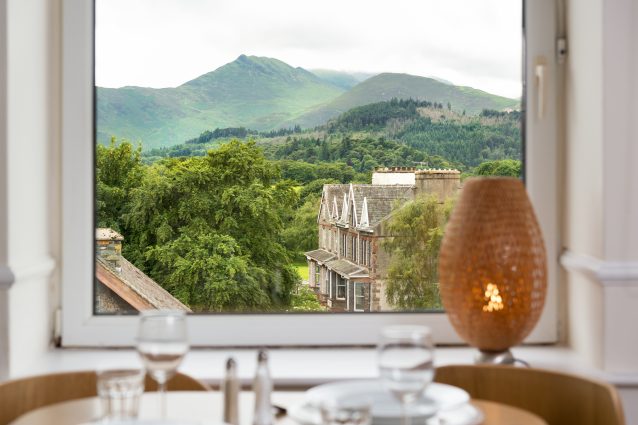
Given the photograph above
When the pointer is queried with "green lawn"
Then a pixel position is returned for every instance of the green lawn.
(302, 268)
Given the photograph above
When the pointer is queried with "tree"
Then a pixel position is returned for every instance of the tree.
(504, 167)
(208, 228)
(304, 299)
(118, 171)
(417, 230)
(301, 234)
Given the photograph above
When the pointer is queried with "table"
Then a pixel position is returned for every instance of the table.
(207, 407)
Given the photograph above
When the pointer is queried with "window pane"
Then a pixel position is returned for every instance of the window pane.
(275, 157)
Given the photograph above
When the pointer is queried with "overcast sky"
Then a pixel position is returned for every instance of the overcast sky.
(164, 43)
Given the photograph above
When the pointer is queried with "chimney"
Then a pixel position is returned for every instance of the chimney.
(393, 175)
(108, 245)
(443, 183)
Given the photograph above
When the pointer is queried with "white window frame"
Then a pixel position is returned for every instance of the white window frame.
(363, 297)
(344, 285)
(81, 328)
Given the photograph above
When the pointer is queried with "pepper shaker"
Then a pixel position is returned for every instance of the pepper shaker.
(230, 387)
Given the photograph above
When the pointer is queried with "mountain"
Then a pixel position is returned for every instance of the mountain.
(345, 80)
(254, 92)
(387, 86)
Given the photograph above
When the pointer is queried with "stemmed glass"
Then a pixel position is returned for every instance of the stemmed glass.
(405, 356)
(162, 343)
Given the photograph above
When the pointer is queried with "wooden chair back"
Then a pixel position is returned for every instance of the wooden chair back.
(558, 398)
(22, 395)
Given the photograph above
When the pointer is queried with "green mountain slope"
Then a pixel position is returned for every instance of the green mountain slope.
(387, 86)
(345, 80)
(253, 92)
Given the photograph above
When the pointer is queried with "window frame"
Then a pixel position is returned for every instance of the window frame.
(362, 296)
(80, 327)
(341, 284)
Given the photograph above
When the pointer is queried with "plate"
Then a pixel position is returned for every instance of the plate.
(386, 409)
(460, 415)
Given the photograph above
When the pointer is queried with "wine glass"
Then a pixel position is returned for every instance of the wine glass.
(405, 356)
(162, 343)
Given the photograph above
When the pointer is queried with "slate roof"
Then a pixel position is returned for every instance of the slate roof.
(330, 193)
(134, 287)
(380, 199)
(347, 268)
(320, 255)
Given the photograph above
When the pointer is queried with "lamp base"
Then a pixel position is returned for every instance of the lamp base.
(494, 357)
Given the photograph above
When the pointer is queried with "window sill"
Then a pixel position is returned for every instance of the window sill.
(305, 367)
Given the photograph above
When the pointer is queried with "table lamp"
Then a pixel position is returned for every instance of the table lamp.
(492, 267)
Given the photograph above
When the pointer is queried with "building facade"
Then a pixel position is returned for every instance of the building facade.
(349, 268)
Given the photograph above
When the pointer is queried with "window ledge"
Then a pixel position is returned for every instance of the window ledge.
(304, 367)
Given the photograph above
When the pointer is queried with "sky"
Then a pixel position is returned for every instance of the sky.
(164, 43)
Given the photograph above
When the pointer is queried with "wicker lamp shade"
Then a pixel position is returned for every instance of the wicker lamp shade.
(492, 265)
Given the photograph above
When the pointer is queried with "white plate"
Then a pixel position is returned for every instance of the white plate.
(386, 409)
(460, 415)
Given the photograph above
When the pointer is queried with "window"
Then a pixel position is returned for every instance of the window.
(359, 296)
(341, 288)
(354, 249)
(81, 325)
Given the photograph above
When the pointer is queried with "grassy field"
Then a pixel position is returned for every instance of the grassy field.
(302, 268)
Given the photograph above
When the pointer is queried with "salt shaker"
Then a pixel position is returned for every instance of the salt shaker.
(262, 387)
(230, 387)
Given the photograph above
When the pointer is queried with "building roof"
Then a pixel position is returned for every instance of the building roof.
(134, 287)
(107, 234)
(320, 255)
(347, 268)
(332, 193)
(380, 199)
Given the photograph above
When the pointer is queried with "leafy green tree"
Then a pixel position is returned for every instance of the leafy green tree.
(118, 171)
(305, 300)
(504, 167)
(301, 234)
(314, 188)
(417, 229)
(189, 214)
(208, 272)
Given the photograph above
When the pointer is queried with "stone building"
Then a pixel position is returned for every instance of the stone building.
(349, 269)
(122, 288)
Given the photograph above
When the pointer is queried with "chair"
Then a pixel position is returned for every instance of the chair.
(558, 398)
(22, 395)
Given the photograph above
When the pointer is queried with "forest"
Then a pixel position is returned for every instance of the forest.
(221, 221)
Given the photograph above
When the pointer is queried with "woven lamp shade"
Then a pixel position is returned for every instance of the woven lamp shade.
(492, 265)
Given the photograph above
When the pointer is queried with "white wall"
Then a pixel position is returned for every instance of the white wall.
(31, 212)
(601, 220)
(602, 181)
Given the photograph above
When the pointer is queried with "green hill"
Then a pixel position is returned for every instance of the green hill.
(387, 86)
(253, 92)
(345, 80)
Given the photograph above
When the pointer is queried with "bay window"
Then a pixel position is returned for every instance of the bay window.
(82, 327)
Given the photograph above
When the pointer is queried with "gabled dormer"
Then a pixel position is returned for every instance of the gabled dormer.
(335, 209)
(352, 208)
(365, 221)
(344, 209)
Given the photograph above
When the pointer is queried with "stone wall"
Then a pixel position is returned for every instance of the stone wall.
(443, 183)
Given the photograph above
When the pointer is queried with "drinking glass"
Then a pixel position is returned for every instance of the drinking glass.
(405, 357)
(162, 343)
(119, 391)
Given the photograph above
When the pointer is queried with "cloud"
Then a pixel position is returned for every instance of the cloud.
(163, 43)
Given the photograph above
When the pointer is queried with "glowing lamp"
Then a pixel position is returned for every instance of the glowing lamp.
(492, 267)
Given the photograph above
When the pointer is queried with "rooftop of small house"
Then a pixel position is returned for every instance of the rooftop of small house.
(134, 287)
(107, 234)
